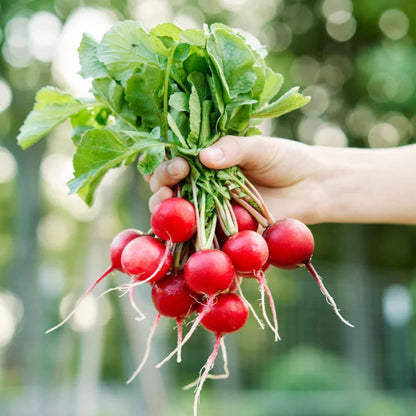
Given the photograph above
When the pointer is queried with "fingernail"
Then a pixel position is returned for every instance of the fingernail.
(172, 169)
(214, 154)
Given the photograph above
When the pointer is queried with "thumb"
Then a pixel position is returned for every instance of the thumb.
(248, 152)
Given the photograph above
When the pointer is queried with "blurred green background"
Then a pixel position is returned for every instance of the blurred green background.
(357, 60)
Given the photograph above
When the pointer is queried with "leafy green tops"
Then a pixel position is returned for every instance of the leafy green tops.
(157, 95)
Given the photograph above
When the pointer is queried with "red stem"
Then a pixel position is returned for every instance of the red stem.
(259, 217)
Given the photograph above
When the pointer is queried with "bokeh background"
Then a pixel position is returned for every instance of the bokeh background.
(357, 60)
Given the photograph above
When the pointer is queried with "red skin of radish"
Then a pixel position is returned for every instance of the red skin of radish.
(247, 250)
(208, 272)
(290, 243)
(172, 297)
(118, 243)
(235, 284)
(142, 256)
(174, 219)
(245, 221)
(228, 314)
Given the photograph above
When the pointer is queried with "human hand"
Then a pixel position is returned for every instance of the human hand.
(286, 173)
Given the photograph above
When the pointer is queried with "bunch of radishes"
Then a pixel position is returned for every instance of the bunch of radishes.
(187, 279)
(169, 93)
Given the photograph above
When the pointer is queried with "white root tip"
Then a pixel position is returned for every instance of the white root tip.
(208, 366)
(225, 375)
(264, 289)
(87, 292)
(330, 300)
(147, 352)
(134, 305)
(179, 328)
(250, 306)
(195, 324)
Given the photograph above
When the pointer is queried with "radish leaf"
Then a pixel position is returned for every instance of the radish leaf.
(127, 45)
(112, 94)
(144, 92)
(52, 107)
(90, 65)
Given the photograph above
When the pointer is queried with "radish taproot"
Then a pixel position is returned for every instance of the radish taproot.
(291, 245)
(228, 314)
(207, 273)
(172, 298)
(117, 246)
(249, 254)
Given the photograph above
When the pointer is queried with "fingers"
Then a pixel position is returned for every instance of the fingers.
(250, 153)
(169, 174)
(163, 193)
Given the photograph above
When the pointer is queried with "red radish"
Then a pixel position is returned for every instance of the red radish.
(117, 246)
(172, 297)
(245, 221)
(174, 219)
(249, 253)
(146, 259)
(290, 242)
(247, 250)
(118, 243)
(228, 314)
(208, 272)
(291, 245)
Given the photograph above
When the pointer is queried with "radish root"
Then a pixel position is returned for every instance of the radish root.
(179, 330)
(264, 289)
(208, 366)
(88, 291)
(226, 373)
(250, 306)
(195, 324)
(325, 292)
(146, 354)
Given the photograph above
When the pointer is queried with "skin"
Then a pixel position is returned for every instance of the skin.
(314, 184)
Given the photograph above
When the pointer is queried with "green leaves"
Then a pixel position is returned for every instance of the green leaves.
(102, 149)
(52, 107)
(90, 65)
(127, 45)
(144, 92)
(233, 61)
(112, 94)
(287, 102)
(169, 88)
